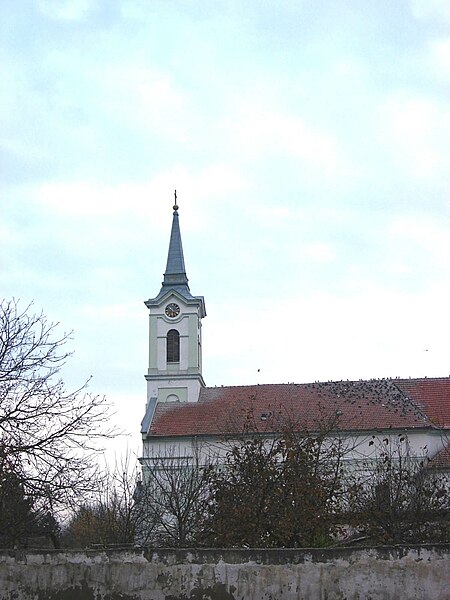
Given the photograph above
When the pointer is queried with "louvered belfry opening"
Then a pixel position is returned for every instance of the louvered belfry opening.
(173, 346)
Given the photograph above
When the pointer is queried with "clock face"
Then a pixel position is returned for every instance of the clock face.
(172, 310)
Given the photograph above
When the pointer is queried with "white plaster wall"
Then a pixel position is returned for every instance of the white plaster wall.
(214, 448)
(174, 375)
(192, 387)
(203, 451)
(420, 444)
(161, 324)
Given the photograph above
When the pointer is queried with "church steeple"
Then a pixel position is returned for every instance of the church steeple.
(175, 350)
(175, 274)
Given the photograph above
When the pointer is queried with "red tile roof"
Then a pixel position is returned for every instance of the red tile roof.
(441, 460)
(356, 405)
(431, 394)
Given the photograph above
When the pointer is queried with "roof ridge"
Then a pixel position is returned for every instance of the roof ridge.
(442, 378)
(334, 381)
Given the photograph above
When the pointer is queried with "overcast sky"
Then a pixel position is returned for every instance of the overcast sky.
(309, 143)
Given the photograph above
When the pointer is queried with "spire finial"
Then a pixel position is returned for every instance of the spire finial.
(175, 206)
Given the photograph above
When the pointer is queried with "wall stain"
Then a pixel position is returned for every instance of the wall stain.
(416, 573)
(216, 592)
(82, 592)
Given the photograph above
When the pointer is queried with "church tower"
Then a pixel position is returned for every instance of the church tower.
(175, 347)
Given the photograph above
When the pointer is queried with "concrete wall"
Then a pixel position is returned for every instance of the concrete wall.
(387, 573)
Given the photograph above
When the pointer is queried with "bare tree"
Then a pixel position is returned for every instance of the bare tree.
(397, 499)
(47, 432)
(166, 509)
(114, 514)
(174, 497)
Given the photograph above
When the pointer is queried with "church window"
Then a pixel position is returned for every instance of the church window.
(173, 346)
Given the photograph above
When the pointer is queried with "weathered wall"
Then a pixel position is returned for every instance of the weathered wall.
(387, 573)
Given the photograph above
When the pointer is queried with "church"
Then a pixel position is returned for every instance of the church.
(182, 414)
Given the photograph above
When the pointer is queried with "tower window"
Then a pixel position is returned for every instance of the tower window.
(173, 346)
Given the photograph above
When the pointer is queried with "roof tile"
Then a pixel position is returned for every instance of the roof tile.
(433, 395)
(441, 460)
(348, 405)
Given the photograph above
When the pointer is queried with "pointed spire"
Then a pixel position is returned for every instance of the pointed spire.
(175, 274)
(175, 278)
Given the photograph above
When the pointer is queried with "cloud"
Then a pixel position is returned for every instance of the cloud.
(415, 131)
(439, 59)
(151, 198)
(319, 252)
(374, 333)
(424, 235)
(66, 10)
(431, 10)
(259, 133)
(146, 97)
(108, 312)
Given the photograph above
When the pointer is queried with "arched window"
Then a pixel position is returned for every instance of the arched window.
(173, 346)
